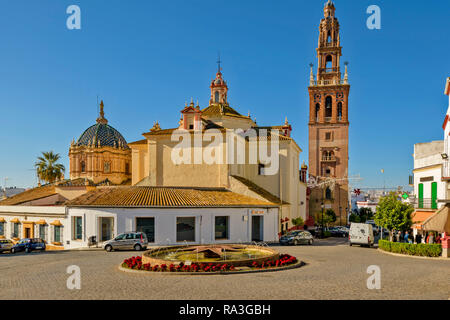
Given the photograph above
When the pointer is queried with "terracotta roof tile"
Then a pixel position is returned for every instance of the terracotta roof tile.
(165, 197)
(29, 195)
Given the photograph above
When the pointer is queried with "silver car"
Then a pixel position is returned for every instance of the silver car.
(127, 241)
(297, 237)
(5, 245)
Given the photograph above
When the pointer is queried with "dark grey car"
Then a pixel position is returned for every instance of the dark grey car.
(127, 241)
(297, 237)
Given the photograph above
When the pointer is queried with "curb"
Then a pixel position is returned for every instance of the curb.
(86, 249)
(294, 266)
(409, 256)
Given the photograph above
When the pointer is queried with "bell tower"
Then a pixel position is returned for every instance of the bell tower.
(328, 122)
(219, 88)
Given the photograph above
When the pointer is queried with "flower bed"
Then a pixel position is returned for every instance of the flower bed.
(135, 263)
(421, 249)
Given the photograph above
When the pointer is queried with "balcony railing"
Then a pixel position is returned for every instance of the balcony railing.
(425, 203)
(328, 82)
(329, 159)
(328, 70)
(330, 44)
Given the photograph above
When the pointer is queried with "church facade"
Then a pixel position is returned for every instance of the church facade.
(329, 123)
(153, 163)
(117, 186)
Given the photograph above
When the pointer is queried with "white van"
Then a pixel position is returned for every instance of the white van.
(361, 233)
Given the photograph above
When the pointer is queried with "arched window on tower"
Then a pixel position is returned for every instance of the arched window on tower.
(329, 35)
(328, 107)
(83, 166)
(317, 111)
(329, 63)
(328, 156)
(216, 97)
(339, 111)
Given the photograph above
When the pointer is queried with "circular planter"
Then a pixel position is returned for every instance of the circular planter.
(298, 264)
(149, 256)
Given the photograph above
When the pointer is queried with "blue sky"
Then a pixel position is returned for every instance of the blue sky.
(146, 58)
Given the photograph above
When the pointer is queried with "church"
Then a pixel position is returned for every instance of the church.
(248, 186)
(116, 186)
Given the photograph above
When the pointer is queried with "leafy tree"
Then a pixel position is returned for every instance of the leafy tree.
(328, 217)
(47, 167)
(354, 218)
(298, 222)
(332, 216)
(393, 214)
(365, 214)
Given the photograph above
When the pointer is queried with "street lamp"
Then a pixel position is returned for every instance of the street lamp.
(322, 206)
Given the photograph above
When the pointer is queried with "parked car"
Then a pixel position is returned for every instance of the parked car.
(5, 245)
(127, 241)
(345, 229)
(297, 237)
(362, 234)
(28, 245)
(338, 232)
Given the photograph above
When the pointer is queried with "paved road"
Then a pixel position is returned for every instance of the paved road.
(333, 271)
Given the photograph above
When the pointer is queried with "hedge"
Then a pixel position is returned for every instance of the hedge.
(421, 249)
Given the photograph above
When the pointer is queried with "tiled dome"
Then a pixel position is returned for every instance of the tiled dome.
(101, 134)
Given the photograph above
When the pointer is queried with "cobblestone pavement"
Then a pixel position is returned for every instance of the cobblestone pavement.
(334, 270)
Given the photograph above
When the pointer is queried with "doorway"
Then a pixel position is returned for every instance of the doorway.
(28, 229)
(147, 226)
(106, 228)
(257, 228)
(27, 233)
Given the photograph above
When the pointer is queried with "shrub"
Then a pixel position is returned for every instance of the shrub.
(421, 249)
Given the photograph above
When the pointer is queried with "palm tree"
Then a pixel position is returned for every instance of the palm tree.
(48, 169)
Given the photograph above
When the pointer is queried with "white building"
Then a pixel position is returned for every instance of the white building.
(431, 173)
(446, 153)
(428, 184)
(367, 204)
(167, 215)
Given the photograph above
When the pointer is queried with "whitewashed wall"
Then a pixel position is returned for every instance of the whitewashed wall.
(165, 223)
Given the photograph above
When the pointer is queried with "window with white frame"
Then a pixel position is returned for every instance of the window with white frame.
(43, 231)
(77, 228)
(57, 234)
